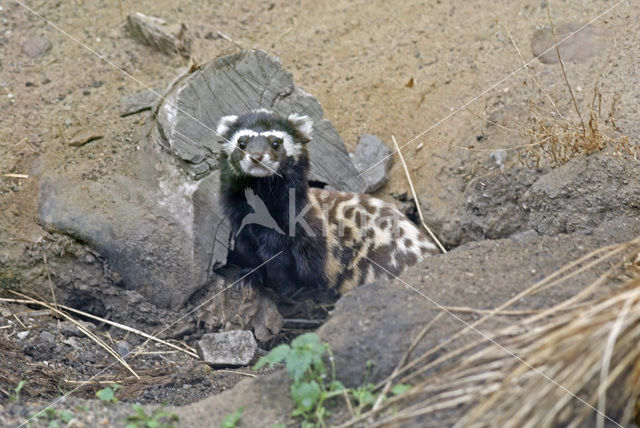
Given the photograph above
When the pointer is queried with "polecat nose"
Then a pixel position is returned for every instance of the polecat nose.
(257, 148)
(256, 157)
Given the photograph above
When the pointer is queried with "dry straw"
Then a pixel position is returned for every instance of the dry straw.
(578, 362)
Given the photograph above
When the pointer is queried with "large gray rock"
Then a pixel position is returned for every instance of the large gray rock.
(157, 228)
(234, 84)
(372, 159)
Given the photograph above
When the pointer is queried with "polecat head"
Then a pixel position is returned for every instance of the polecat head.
(259, 143)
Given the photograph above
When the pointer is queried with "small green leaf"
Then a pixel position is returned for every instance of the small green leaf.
(106, 395)
(364, 394)
(275, 356)
(336, 386)
(66, 416)
(306, 394)
(400, 388)
(298, 362)
(306, 340)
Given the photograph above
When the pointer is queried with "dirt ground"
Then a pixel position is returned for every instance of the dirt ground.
(386, 68)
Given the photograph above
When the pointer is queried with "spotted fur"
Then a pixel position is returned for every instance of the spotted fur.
(333, 239)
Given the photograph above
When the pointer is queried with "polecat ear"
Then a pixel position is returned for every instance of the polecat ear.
(226, 122)
(302, 124)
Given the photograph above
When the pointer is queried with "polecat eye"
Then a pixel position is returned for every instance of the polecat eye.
(275, 143)
(242, 143)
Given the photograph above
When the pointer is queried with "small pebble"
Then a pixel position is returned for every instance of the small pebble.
(23, 334)
(47, 337)
(123, 348)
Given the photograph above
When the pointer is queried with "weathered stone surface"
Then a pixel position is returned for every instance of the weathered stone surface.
(576, 196)
(36, 46)
(132, 104)
(267, 402)
(229, 348)
(123, 348)
(170, 39)
(373, 156)
(234, 84)
(47, 337)
(582, 45)
(158, 229)
(583, 193)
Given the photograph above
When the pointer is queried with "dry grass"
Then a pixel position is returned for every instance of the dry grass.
(570, 364)
(555, 140)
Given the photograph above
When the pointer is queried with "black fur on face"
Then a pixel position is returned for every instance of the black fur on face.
(259, 143)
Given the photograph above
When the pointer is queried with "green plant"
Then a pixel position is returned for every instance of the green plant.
(16, 392)
(232, 419)
(108, 395)
(312, 384)
(56, 416)
(157, 418)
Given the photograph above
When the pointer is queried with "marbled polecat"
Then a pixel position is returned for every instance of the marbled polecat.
(322, 237)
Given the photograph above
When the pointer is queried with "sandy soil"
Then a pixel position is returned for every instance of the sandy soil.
(387, 68)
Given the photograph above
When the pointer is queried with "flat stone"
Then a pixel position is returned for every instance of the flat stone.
(579, 47)
(36, 46)
(47, 337)
(123, 348)
(170, 39)
(132, 104)
(23, 334)
(230, 348)
(67, 328)
(372, 157)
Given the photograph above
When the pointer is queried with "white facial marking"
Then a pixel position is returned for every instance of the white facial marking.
(302, 123)
(226, 122)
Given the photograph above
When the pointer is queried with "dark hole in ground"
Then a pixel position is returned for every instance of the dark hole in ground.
(86, 302)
